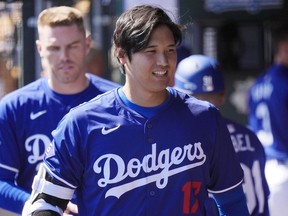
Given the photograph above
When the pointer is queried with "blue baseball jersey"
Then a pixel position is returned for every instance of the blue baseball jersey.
(268, 116)
(122, 163)
(252, 159)
(27, 118)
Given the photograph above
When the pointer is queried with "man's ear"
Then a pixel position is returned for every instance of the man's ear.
(222, 97)
(39, 47)
(121, 56)
(88, 42)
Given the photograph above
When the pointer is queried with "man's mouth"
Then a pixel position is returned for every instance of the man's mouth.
(160, 73)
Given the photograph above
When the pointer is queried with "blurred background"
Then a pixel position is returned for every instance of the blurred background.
(236, 32)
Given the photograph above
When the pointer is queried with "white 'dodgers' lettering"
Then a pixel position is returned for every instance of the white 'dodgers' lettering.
(151, 162)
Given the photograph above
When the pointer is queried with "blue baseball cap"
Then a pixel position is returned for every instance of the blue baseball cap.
(199, 74)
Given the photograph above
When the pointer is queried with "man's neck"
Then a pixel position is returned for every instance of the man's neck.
(69, 87)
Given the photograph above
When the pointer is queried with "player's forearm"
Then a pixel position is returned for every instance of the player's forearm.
(232, 202)
(71, 209)
(47, 197)
(12, 197)
(45, 205)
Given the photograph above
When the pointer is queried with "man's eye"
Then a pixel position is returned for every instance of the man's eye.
(73, 46)
(150, 51)
(52, 48)
(172, 50)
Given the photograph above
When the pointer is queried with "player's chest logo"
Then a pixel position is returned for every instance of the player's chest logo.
(35, 145)
(35, 115)
(162, 164)
(106, 131)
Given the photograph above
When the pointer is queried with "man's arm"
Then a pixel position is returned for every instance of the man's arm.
(46, 205)
(47, 197)
(12, 197)
(232, 202)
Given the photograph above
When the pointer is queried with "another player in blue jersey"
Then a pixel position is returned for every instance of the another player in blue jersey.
(144, 149)
(268, 117)
(29, 114)
(201, 76)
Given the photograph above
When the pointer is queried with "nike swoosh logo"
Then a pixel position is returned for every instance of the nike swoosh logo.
(33, 116)
(107, 131)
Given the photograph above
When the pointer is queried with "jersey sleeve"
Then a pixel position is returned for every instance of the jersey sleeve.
(63, 157)
(226, 172)
(8, 144)
(12, 197)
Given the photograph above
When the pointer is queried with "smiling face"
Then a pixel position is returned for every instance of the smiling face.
(152, 69)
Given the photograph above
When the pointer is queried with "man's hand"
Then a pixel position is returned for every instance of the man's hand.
(71, 209)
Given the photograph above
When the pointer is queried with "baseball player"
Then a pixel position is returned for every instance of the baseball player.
(29, 114)
(268, 117)
(144, 149)
(201, 76)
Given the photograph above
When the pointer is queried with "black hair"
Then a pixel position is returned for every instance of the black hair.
(135, 26)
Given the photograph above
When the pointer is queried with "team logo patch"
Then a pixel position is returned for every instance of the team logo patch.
(208, 84)
(50, 151)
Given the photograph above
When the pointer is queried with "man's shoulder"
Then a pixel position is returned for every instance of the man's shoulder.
(22, 99)
(197, 108)
(97, 102)
(29, 91)
(101, 83)
(184, 98)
